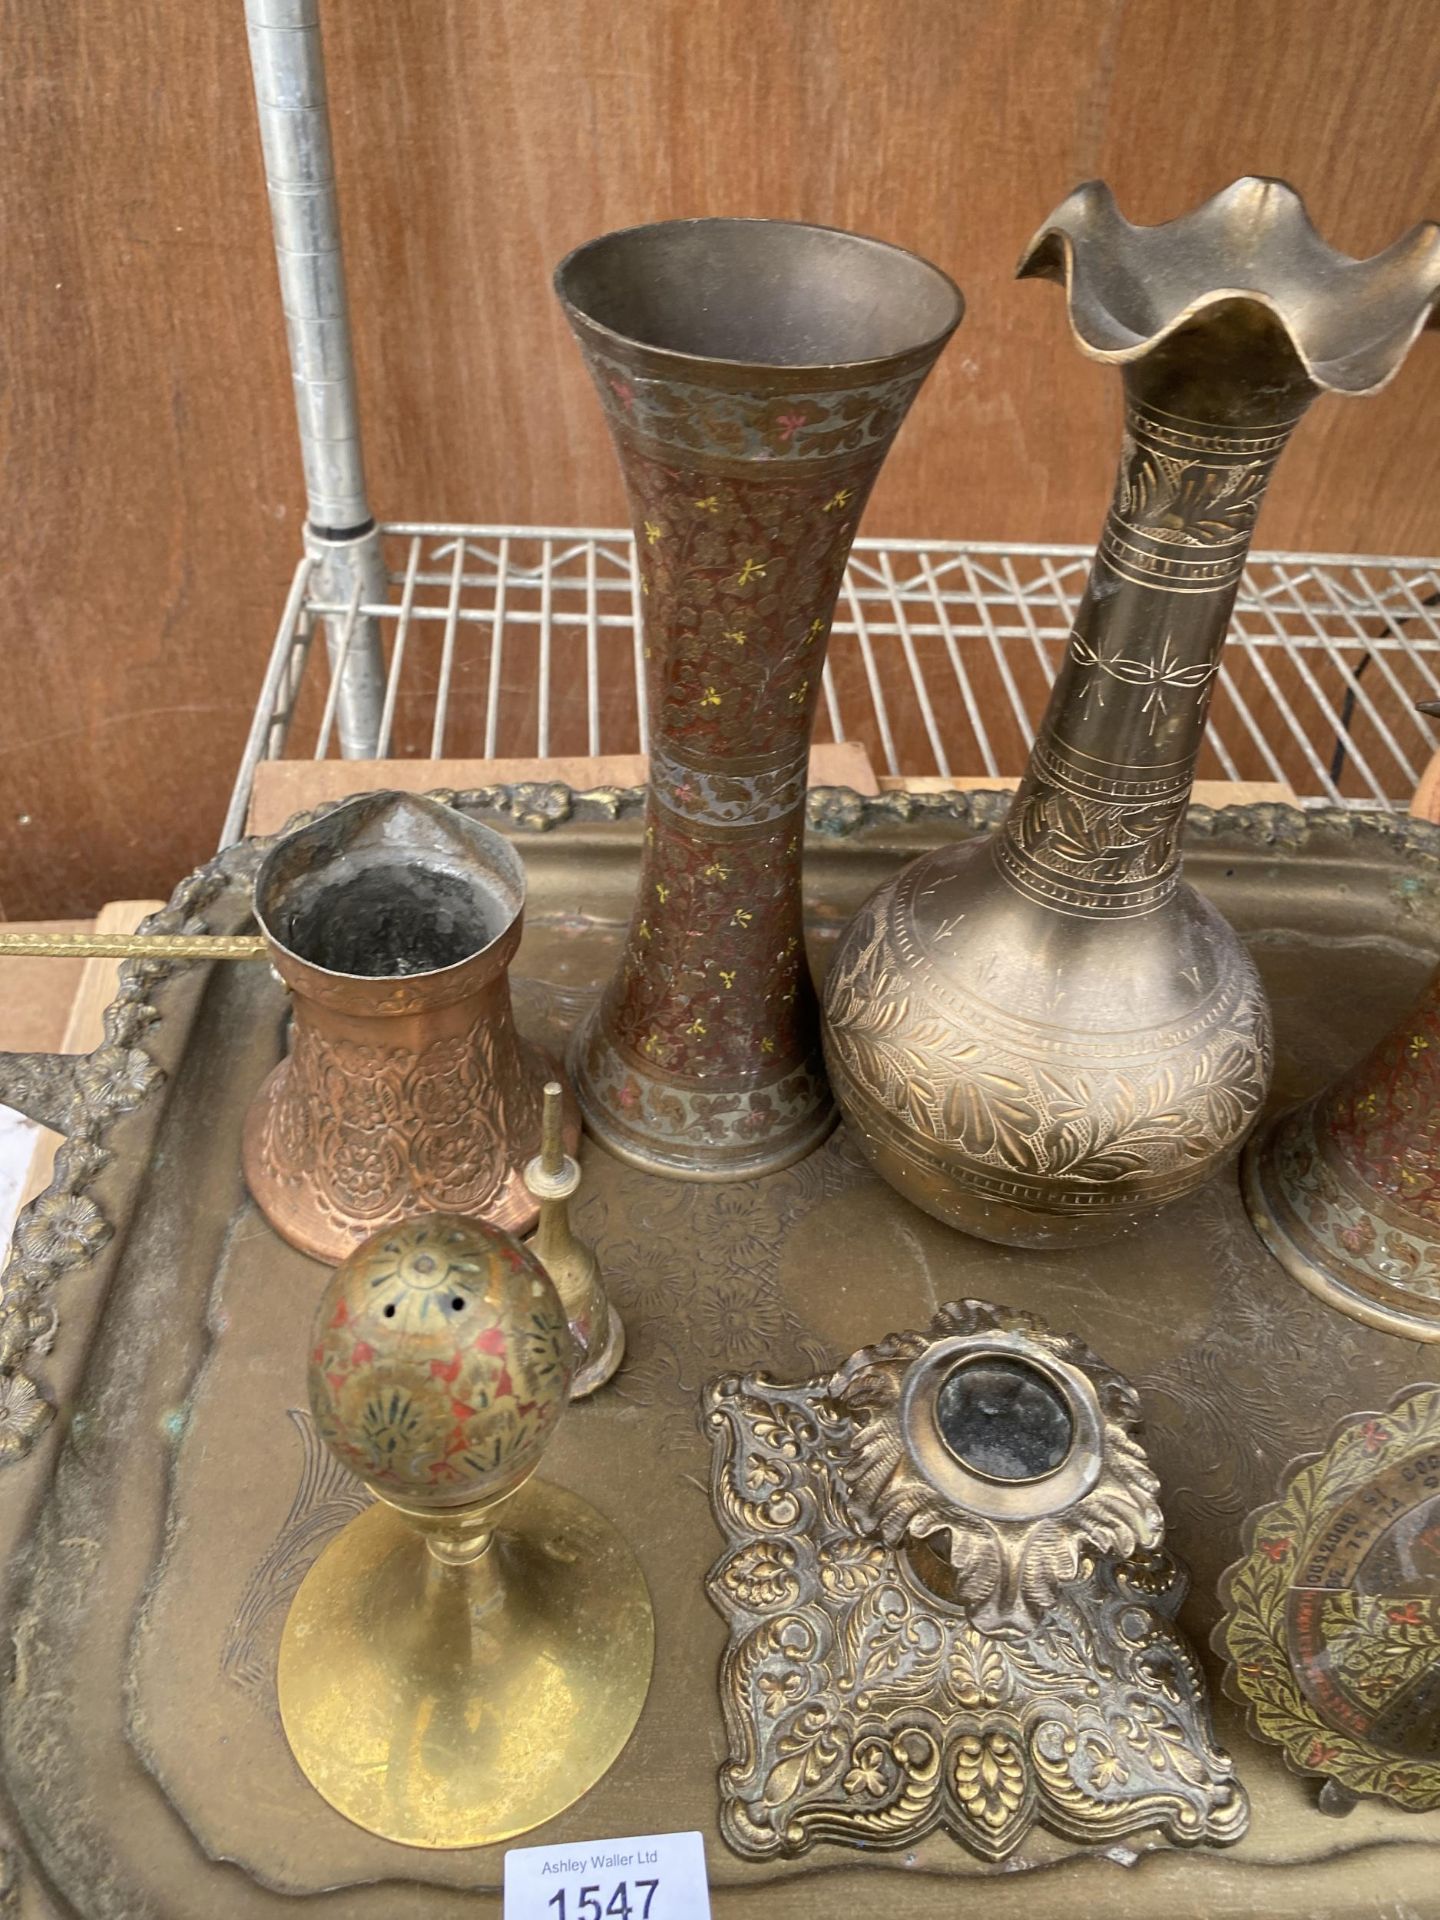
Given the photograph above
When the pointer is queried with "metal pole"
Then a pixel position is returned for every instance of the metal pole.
(288, 63)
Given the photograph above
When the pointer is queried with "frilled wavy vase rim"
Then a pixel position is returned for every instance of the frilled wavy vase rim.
(1349, 322)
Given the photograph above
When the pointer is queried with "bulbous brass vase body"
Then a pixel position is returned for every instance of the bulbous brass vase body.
(753, 374)
(1044, 1037)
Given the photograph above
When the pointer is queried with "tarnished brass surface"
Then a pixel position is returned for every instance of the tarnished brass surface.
(1044, 1040)
(459, 1705)
(949, 1605)
(157, 1530)
(1332, 1629)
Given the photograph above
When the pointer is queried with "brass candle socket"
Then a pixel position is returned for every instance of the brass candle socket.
(469, 1655)
(1345, 1189)
(553, 1178)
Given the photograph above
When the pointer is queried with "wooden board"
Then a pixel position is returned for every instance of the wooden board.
(283, 788)
(145, 403)
(91, 985)
(1206, 793)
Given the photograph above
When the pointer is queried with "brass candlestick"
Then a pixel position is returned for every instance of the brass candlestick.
(470, 1655)
(552, 1177)
(1345, 1190)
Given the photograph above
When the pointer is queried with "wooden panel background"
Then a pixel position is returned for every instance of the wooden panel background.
(153, 501)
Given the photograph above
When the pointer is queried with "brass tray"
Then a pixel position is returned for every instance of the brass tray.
(154, 1532)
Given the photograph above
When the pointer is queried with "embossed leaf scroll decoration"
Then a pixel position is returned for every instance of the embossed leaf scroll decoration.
(1012, 1570)
(1081, 1125)
(1349, 323)
(863, 1708)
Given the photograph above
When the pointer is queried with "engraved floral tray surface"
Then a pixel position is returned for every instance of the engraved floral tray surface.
(156, 1529)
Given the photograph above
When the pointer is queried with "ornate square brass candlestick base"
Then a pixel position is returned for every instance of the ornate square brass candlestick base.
(949, 1606)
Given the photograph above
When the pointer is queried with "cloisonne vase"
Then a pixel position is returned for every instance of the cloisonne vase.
(1345, 1189)
(753, 374)
(1045, 1037)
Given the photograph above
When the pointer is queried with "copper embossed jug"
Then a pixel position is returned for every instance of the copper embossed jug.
(1044, 1037)
(393, 920)
(754, 374)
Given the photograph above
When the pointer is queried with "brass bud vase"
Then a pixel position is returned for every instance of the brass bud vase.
(1345, 1189)
(393, 921)
(1045, 1037)
(754, 374)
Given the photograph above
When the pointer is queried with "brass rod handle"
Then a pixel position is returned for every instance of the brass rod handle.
(135, 946)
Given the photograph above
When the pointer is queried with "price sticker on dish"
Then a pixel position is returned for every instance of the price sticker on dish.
(655, 1876)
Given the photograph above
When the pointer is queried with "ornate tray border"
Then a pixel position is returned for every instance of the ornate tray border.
(84, 1095)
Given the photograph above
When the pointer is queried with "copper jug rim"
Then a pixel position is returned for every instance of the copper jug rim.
(933, 296)
(482, 859)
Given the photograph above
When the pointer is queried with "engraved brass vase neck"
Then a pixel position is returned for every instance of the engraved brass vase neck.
(753, 374)
(1095, 829)
(393, 921)
(1044, 1038)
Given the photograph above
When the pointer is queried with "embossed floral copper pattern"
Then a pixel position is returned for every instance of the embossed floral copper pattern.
(1044, 1040)
(1345, 1190)
(746, 483)
(400, 1092)
(441, 1362)
(362, 1131)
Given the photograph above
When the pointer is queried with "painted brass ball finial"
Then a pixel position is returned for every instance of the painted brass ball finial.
(552, 1178)
(474, 1613)
(442, 1365)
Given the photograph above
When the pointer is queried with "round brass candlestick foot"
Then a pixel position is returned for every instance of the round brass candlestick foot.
(1346, 1244)
(457, 1705)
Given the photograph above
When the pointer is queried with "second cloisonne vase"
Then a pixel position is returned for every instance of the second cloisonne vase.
(754, 374)
(1345, 1189)
(1044, 1038)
